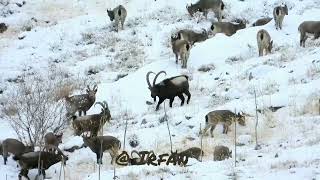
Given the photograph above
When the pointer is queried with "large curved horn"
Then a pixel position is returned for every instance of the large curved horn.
(155, 78)
(95, 87)
(88, 87)
(148, 79)
(103, 104)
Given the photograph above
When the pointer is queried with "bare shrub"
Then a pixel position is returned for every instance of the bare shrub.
(311, 105)
(313, 71)
(32, 108)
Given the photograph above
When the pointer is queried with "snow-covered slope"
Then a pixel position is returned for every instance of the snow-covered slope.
(79, 40)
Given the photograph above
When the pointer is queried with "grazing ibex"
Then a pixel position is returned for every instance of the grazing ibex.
(31, 160)
(227, 28)
(119, 15)
(169, 88)
(217, 6)
(193, 152)
(312, 27)
(181, 48)
(262, 21)
(52, 139)
(15, 147)
(225, 117)
(191, 36)
(221, 153)
(82, 102)
(278, 15)
(264, 42)
(92, 123)
(100, 144)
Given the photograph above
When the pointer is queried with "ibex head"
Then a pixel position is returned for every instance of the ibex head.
(105, 108)
(190, 10)
(92, 92)
(241, 119)
(153, 88)
(110, 14)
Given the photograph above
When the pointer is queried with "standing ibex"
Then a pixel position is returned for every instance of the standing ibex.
(221, 153)
(217, 6)
(52, 139)
(262, 21)
(31, 160)
(191, 36)
(312, 27)
(181, 48)
(227, 28)
(92, 123)
(82, 102)
(119, 15)
(278, 15)
(15, 147)
(225, 117)
(264, 42)
(169, 88)
(100, 144)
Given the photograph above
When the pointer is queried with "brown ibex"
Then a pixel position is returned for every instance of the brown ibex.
(92, 123)
(264, 42)
(312, 27)
(278, 15)
(119, 15)
(225, 117)
(262, 21)
(82, 102)
(100, 144)
(169, 88)
(191, 36)
(217, 6)
(15, 147)
(181, 48)
(52, 139)
(221, 153)
(193, 152)
(227, 28)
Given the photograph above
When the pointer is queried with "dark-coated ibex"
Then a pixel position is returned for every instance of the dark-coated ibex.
(15, 147)
(100, 144)
(181, 48)
(217, 6)
(227, 28)
(52, 139)
(31, 160)
(82, 102)
(221, 153)
(119, 15)
(312, 27)
(225, 117)
(193, 152)
(92, 123)
(278, 15)
(264, 42)
(169, 88)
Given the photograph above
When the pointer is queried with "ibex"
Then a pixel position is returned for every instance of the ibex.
(52, 139)
(181, 48)
(264, 42)
(169, 88)
(312, 27)
(225, 117)
(15, 147)
(227, 28)
(31, 160)
(193, 152)
(92, 123)
(262, 21)
(3, 27)
(191, 36)
(100, 144)
(119, 15)
(278, 15)
(221, 153)
(82, 102)
(217, 6)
